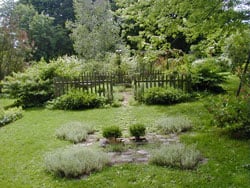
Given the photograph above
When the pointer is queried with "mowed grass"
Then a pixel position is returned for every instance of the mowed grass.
(24, 143)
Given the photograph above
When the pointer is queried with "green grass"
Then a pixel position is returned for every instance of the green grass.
(24, 143)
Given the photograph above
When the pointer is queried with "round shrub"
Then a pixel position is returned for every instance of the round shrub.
(75, 161)
(112, 132)
(74, 131)
(176, 155)
(137, 130)
(77, 100)
(158, 95)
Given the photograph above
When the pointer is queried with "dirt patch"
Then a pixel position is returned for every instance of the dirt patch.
(126, 97)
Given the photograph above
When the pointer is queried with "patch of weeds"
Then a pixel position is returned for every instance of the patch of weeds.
(116, 147)
(173, 124)
(74, 131)
(75, 161)
(176, 155)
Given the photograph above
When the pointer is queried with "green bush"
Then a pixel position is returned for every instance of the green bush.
(77, 100)
(231, 113)
(137, 130)
(112, 132)
(75, 161)
(158, 95)
(206, 76)
(74, 131)
(10, 115)
(33, 87)
(176, 155)
(173, 124)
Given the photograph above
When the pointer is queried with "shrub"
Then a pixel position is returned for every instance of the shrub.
(77, 100)
(74, 131)
(232, 114)
(206, 76)
(158, 95)
(33, 87)
(75, 161)
(10, 115)
(112, 132)
(137, 130)
(176, 155)
(173, 124)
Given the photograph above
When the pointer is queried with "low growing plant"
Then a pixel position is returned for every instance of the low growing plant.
(176, 155)
(158, 95)
(116, 147)
(74, 131)
(75, 161)
(77, 100)
(112, 132)
(137, 130)
(173, 124)
(232, 114)
(10, 115)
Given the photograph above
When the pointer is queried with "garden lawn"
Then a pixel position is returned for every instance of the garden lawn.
(24, 143)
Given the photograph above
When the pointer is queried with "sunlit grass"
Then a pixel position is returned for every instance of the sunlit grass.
(24, 143)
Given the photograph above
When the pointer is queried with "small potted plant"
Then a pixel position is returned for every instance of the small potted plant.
(137, 130)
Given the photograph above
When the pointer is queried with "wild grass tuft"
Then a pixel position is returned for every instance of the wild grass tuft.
(173, 124)
(75, 161)
(74, 131)
(176, 155)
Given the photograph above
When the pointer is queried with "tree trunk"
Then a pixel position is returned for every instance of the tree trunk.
(243, 75)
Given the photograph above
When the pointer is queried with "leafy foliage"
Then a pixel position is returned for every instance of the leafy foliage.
(33, 87)
(77, 100)
(232, 114)
(177, 156)
(75, 161)
(238, 49)
(10, 115)
(206, 76)
(158, 95)
(137, 130)
(170, 124)
(200, 26)
(44, 22)
(111, 132)
(74, 131)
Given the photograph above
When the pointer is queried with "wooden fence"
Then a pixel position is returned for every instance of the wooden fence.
(103, 83)
(143, 82)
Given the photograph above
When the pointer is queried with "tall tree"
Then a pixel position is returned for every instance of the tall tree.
(238, 49)
(61, 11)
(48, 40)
(94, 31)
(14, 45)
